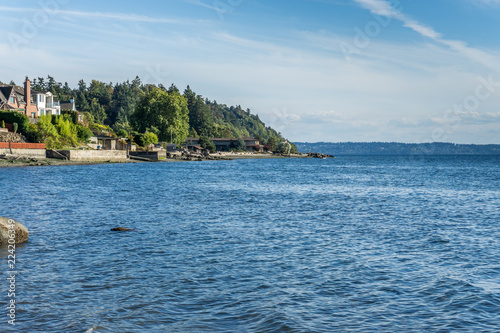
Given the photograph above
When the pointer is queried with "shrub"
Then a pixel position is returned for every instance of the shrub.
(122, 133)
(148, 138)
(12, 117)
(15, 127)
(83, 133)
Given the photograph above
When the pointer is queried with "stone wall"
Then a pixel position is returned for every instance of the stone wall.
(38, 153)
(90, 155)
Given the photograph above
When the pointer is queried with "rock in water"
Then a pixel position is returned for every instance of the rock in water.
(121, 229)
(20, 231)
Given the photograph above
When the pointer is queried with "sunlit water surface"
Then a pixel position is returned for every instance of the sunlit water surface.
(356, 244)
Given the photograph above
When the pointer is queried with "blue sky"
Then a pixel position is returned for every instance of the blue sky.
(317, 70)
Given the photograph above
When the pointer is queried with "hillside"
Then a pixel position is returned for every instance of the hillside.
(115, 104)
(393, 148)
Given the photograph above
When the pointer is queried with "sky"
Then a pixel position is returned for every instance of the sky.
(316, 70)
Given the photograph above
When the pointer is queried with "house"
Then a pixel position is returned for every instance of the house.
(171, 147)
(46, 103)
(109, 143)
(18, 99)
(226, 144)
(70, 107)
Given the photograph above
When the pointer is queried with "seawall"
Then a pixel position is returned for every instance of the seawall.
(89, 155)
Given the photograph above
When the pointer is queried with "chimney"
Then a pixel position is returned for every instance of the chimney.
(27, 93)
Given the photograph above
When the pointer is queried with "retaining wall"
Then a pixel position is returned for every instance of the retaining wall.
(38, 153)
(89, 155)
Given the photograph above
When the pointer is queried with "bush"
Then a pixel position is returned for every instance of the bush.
(83, 133)
(148, 138)
(122, 133)
(12, 117)
(15, 126)
(72, 114)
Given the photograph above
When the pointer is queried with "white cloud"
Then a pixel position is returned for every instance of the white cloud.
(98, 15)
(479, 56)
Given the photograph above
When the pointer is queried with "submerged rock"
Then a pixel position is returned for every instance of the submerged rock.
(121, 229)
(20, 231)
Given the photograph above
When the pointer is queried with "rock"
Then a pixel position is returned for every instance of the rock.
(121, 229)
(20, 231)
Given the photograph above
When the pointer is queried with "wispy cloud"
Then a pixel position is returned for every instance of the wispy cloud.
(384, 8)
(99, 15)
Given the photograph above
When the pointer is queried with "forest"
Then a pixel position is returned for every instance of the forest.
(132, 108)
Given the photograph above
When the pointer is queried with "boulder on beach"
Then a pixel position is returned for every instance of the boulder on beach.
(20, 231)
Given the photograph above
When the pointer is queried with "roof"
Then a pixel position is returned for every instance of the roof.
(5, 91)
(67, 106)
(3, 99)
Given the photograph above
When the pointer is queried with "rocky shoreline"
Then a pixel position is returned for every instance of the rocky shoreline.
(26, 161)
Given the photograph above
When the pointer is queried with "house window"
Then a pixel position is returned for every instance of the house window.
(12, 100)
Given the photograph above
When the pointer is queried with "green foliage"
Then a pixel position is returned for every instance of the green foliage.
(240, 145)
(207, 144)
(148, 138)
(284, 148)
(58, 132)
(83, 133)
(12, 117)
(47, 132)
(164, 111)
(272, 143)
(97, 111)
(3, 124)
(15, 126)
(122, 106)
(68, 134)
(72, 114)
(122, 133)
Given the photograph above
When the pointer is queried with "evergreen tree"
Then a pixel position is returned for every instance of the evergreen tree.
(97, 111)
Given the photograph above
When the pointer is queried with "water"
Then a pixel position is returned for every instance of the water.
(357, 244)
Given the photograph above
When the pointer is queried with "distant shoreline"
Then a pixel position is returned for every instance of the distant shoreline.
(396, 148)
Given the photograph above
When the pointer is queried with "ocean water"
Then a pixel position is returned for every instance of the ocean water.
(357, 244)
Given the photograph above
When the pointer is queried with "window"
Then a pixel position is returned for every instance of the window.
(12, 99)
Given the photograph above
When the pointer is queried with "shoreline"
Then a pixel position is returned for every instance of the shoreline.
(33, 162)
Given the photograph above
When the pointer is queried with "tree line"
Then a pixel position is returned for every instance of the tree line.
(132, 108)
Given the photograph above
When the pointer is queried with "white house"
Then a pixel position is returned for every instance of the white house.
(46, 103)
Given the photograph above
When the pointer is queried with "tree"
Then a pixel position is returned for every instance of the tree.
(164, 111)
(240, 145)
(272, 143)
(284, 148)
(82, 104)
(97, 111)
(207, 144)
(148, 138)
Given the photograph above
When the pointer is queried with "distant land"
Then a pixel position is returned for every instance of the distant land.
(394, 148)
